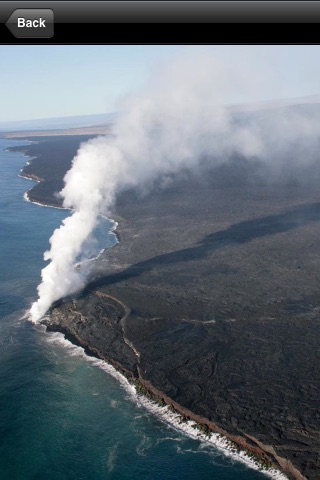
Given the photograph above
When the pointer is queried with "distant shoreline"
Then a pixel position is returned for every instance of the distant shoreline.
(97, 130)
(50, 158)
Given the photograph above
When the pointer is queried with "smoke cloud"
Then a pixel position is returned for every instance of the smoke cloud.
(178, 121)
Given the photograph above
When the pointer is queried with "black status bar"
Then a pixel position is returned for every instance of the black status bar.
(159, 22)
(172, 11)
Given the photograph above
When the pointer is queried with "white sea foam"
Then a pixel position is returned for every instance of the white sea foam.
(113, 229)
(216, 440)
(27, 178)
(164, 414)
(110, 232)
(26, 194)
(112, 457)
(27, 199)
(74, 350)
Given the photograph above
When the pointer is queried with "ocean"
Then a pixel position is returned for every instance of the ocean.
(65, 416)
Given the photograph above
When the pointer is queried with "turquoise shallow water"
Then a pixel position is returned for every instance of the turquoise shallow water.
(61, 416)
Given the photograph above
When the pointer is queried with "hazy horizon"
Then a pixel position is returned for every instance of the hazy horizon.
(95, 119)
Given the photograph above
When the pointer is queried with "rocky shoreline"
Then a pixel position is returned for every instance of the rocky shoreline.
(221, 281)
(50, 158)
(74, 325)
(31, 176)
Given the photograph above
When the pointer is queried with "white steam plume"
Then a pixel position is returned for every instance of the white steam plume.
(175, 122)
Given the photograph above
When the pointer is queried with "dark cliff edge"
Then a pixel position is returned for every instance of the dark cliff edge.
(211, 302)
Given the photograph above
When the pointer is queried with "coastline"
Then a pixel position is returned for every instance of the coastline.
(34, 178)
(27, 198)
(172, 413)
(244, 448)
(41, 204)
(166, 408)
(49, 158)
(30, 176)
(120, 261)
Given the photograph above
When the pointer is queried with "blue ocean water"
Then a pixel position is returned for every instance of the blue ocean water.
(62, 417)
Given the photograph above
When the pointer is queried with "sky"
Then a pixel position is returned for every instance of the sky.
(44, 81)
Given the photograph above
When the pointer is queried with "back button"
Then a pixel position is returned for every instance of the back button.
(31, 23)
